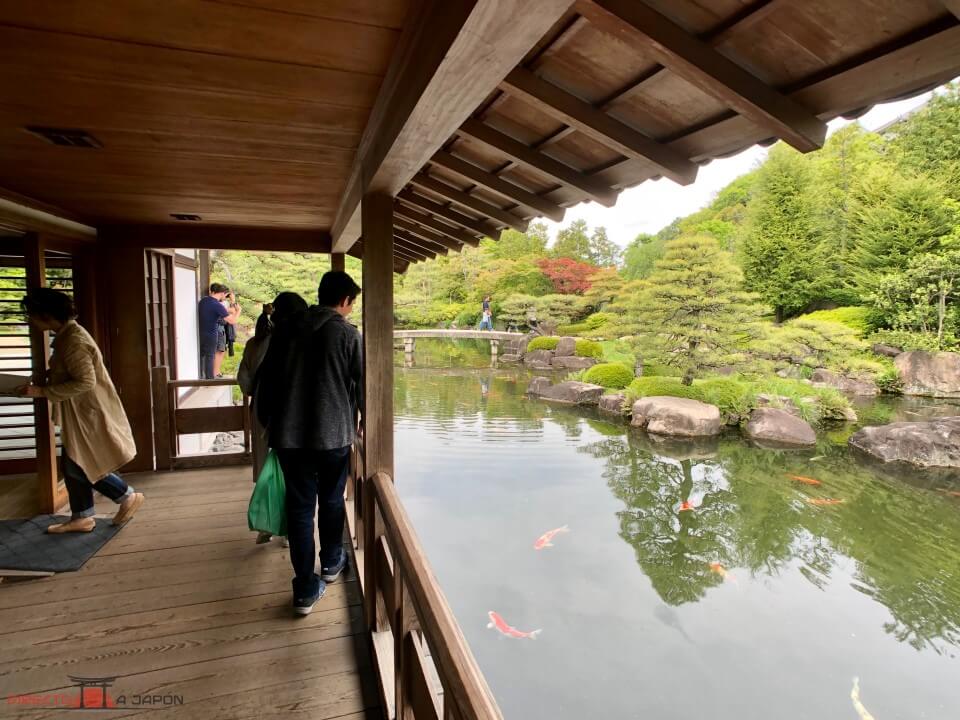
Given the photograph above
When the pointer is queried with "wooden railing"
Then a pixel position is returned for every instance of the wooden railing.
(170, 421)
(425, 667)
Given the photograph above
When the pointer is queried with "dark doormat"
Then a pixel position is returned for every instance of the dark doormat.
(25, 544)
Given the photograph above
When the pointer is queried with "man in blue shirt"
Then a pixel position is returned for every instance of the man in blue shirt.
(211, 315)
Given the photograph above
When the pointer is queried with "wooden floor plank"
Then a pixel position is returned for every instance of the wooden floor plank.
(183, 602)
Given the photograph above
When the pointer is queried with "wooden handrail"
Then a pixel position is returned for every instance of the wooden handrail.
(218, 382)
(464, 684)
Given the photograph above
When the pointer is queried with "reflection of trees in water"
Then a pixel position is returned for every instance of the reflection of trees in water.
(906, 542)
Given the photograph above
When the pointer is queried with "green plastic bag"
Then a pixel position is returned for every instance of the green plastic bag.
(267, 511)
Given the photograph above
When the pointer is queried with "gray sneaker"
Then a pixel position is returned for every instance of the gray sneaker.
(331, 573)
(303, 606)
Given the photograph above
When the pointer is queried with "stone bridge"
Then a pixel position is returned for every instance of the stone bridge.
(408, 338)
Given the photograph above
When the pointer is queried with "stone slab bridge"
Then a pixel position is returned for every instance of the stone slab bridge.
(409, 338)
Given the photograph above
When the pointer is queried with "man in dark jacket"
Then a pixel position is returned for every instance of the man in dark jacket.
(309, 385)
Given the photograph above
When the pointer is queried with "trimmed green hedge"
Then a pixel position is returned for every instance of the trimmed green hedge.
(609, 375)
(543, 343)
(589, 348)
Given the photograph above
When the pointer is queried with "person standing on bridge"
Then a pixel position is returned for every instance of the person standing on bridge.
(308, 397)
(486, 321)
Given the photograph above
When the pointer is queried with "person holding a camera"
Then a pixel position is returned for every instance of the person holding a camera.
(212, 317)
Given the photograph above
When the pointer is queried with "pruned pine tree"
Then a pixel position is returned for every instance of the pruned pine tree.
(692, 310)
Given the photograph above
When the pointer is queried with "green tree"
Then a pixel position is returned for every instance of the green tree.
(929, 141)
(780, 250)
(573, 242)
(514, 245)
(640, 255)
(692, 309)
(603, 251)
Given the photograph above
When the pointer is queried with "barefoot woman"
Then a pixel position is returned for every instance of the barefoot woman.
(96, 435)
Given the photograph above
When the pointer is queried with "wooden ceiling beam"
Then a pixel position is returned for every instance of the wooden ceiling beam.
(217, 237)
(598, 125)
(471, 172)
(416, 242)
(430, 222)
(412, 252)
(427, 234)
(469, 201)
(480, 227)
(953, 6)
(636, 23)
(526, 155)
(450, 56)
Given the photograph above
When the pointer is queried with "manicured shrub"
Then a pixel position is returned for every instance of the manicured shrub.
(733, 397)
(543, 343)
(853, 316)
(907, 340)
(609, 375)
(650, 386)
(589, 348)
(655, 370)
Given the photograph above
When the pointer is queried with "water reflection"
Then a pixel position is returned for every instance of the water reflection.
(634, 606)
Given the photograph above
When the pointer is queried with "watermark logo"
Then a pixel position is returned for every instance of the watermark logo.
(93, 693)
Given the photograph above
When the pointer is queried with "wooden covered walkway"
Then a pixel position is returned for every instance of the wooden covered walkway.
(183, 604)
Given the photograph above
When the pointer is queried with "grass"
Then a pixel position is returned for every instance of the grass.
(854, 317)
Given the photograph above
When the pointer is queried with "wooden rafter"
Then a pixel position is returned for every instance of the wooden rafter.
(953, 6)
(545, 164)
(427, 234)
(498, 185)
(469, 201)
(428, 221)
(415, 242)
(409, 252)
(598, 125)
(699, 64)
(449, 57)
(480, 227)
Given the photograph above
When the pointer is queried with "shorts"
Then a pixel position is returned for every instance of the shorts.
(221, 339)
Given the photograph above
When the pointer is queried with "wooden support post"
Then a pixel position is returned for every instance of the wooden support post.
(337, 261)
(48, 476)
(159, 381)
(203, 272)
(377, 220)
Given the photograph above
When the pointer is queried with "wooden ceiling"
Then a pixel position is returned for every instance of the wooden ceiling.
(622, 91)
(245, 112)
(479, 116)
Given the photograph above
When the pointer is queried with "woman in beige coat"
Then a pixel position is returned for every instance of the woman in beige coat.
(94, 428)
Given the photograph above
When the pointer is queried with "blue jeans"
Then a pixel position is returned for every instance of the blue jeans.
(208, 349)
(315, 481)
(486, 325)
(80, 490)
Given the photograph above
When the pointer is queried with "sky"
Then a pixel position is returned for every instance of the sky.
(654, 204)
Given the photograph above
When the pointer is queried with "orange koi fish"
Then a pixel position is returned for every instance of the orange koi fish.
(954, 493)
(686, 505)
(719, 569)
(805, 480)
(544, 540)
(501, 625)
(825, 501)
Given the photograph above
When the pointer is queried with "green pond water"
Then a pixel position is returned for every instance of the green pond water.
(635, 622)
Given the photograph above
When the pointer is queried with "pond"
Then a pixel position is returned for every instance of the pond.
(754, 603)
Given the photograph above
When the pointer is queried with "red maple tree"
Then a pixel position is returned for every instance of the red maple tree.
(568, 276)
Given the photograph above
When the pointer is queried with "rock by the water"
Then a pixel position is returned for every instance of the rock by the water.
(681, 417)
(852, 386)
(778, 426)
(614, 404)
(540, 366)
(566, 347)
(510, 358)
(538, 386)
(930, 374)
(927, 444)
(227, 442)
(782, 402)
(791, 372)
(887, 350)
(544, 357)
(572, 392)
(572, 362)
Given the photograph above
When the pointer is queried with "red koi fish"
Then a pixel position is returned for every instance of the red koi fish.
(544, 540)
(718, 569)
(805, 480)
(825, 501)
(686, 505)
(501, 625)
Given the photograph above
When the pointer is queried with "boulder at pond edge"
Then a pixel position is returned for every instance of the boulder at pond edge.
(930, 374)
(773, 425)
(614, 404)
(680, 417)
(927, 444)
(572, 392)
(851, 386)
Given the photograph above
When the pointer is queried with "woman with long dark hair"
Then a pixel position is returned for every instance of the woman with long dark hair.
(94, 428)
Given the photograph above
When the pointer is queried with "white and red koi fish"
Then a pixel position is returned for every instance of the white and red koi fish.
(544, 540)
(825, 502)
(718, 569)
(501, 625)
(687, 506)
